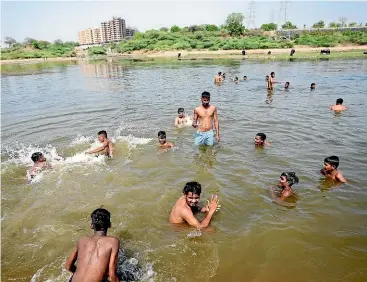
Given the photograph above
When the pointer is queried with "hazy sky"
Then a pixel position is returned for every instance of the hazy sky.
(50, 20)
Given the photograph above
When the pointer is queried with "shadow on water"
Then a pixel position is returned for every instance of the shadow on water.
(206, 155)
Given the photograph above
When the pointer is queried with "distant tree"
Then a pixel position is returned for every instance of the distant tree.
(10, 41)
(165, 29)
(211, 27)
(28, 41)
(343, 21)
(333, 25)
(304, 26)
(175, 28)
(352, 24)
(58, 42)
(319, 24)
(35, 45)
(43, 44)
(269, 26)
(234, 24)
(339, 25)
(193, 28)
(112, 45)
(288, 25)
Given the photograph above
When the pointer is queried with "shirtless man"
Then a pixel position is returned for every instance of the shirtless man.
(97, 254)
(206, 114)
(339, 106)
(39, 164)
(106, 147)
(271, 81)
(188, 204)
(182, 119)
(218, 78)
(163, 143)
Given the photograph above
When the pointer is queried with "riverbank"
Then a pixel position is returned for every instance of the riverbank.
(302, 52)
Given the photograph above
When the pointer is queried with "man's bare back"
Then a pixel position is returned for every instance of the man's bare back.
(94, 254)
(338, 108)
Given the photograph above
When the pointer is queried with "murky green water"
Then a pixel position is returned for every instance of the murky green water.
(59, 112)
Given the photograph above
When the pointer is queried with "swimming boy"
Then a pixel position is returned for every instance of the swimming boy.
(235, 80)
(287, 179)
(313, 86)
(339, 106)
(188, 204)
(286, 85)
(218, 78)
(204, 116)
(39, 163)
(260, 139)
(330, 169)
(163, 143)
(181, 119)
(106, 147)
(245, 77)
(97, 254)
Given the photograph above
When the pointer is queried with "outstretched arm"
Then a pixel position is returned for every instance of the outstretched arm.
(113, 261)
(195, 120)
(70, 263)
(98, 149)
(216, 124)
(176, 121)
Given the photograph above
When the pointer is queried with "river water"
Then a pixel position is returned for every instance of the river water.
(59, 111)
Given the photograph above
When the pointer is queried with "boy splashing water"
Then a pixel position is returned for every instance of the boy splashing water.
(106, 147)
(97, 254)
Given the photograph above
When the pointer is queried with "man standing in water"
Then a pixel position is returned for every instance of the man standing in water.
(271, 81)
(97, 254)
(204, 116)
(188, 204)
(106, 147)
(218, 78)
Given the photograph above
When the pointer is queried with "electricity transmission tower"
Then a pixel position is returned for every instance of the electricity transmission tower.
(250, 18)
(283, 13)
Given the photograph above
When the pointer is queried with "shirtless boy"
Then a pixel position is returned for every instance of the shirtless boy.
(39, 164)
(287, 179)
(339, 106)
(97, 254)
(271, 81)
(286, 85)
(204, 116)
(313, 86)
(330, 169)
(163, 143)
(188, 204)
(106, 147)
(260, 139)
(181, 119)
(218, 78)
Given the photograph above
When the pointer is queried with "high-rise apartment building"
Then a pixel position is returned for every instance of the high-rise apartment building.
(130, 32)
(89, 36)
(114, 30)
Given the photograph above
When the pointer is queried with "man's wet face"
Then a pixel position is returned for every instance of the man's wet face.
(283, 182)
(205, 101)
(192, 199)
(181, 114)
(162, 140)
(328, 167)
(258, 140)
(42, 158)
(273, 75)
(101, 138)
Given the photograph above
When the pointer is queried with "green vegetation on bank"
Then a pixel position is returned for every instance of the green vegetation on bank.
(31, 49)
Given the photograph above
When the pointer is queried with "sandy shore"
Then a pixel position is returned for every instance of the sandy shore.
(256, 53)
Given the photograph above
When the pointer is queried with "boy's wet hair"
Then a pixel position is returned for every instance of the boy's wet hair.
(313, 84)
(104, 132)
(205, 94)
(162, 135)
(287, 83)
(180, 110)
(333, 161)
(36, 156)
(262, 136)
(291, 177)
(244, 76)
(193, 187)
(101, 219)
(220, 73)
(339, 101)
(272, 73)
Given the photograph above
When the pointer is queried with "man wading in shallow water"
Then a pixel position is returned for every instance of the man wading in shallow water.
(206, 114)
(188, 204)
(96, 255)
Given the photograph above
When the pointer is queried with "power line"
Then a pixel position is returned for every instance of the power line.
(250, 18)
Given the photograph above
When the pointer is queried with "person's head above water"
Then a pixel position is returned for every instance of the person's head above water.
(102, 135)
(192, 191)
(288, 179)
(313, 85)
(181, 112)
(286, 85)
(205, 99)
(38, 157)
(272, 74)
(331, 163)
(339, 101)
(162, 137)
(220, 73)
(260, 138)
(101, 220)
(245, 77)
